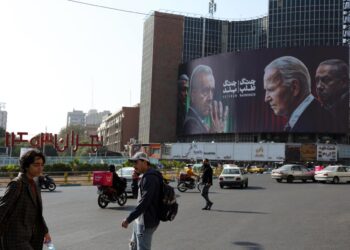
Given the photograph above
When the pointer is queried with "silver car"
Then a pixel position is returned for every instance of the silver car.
(291, 172)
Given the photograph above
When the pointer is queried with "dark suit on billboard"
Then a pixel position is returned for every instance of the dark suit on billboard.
(193, 123)
(339, 111)
(313, 119)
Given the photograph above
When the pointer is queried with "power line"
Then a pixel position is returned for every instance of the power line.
(126, 11)
(111, 8)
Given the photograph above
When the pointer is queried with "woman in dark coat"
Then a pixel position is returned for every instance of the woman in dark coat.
(21, 208)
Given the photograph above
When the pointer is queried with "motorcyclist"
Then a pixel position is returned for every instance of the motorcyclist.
(117, 182)
(190, 174)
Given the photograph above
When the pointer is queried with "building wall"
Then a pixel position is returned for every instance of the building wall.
(146, 80)
(3, 119)
(295, 23)
(163, 38)
(130, 125)
(119, 127)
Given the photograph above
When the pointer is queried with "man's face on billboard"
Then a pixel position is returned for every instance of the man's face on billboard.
(202, 93)
(329, 86)
(277, 95)
(183, 91)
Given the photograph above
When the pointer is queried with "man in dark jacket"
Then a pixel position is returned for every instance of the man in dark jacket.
(207, 179)
(146, 213)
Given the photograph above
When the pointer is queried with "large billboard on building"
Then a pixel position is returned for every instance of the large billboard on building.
(298, 90)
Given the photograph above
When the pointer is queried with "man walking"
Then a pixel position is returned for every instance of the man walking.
(146, 213)
(207, 179)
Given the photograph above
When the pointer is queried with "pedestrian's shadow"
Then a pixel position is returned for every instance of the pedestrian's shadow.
(238, 212)
(248, 245)
(124, 208)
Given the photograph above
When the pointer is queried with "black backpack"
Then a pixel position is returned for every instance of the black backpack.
(168, 205)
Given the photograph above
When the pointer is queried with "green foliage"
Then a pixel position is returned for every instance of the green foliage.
(10, 168)
(58, 167)
(168, 165)
(92, 167)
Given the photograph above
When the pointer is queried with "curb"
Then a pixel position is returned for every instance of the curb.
(69, 185)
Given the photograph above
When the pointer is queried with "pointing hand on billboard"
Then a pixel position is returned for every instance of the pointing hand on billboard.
(218, 117)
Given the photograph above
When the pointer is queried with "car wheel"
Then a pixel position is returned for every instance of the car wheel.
(279, 180)
(336, 180)
(290, 179)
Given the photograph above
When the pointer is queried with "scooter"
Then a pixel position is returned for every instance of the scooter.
(46, 182)
(185, 183)
(108, 195)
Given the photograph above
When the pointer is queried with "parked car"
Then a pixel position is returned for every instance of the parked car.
(232, 175)
(291, 172)
(127, 172)
(334, 174)
(255, 169)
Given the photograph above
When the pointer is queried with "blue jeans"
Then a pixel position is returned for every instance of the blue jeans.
(141, 241)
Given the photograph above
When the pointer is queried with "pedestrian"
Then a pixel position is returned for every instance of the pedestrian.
(207, 180)
(21, 210)
(146, 212)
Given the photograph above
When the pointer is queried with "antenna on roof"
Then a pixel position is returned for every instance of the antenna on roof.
(212, 8)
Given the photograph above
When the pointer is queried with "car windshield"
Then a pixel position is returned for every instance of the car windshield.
(286, 167)
(125, 171)
(230, 171)
(331, 168)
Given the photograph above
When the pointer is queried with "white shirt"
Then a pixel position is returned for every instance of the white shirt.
(299, 110)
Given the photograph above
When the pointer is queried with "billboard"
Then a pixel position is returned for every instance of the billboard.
(297, 90)
(227, 151)
(326, 152)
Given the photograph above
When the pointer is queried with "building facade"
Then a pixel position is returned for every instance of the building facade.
(170, 40)
(118, 128)
(3, 116)
(75, 118)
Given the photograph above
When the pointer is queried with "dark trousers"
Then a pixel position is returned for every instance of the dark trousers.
(205, 194)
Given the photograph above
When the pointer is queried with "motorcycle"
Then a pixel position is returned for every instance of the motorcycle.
(110, 195)
(185, 183)
(46, 182)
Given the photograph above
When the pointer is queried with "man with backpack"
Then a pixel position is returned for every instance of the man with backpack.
(149, 201)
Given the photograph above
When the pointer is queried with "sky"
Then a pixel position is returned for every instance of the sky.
(59, 55)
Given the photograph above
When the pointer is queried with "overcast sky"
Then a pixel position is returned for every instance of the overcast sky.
(58, 55)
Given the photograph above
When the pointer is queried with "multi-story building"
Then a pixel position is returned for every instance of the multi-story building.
(95, 118)
(118, 128)
(170, 40)
(76, 118)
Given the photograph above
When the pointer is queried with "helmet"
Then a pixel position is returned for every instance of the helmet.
(111, 168)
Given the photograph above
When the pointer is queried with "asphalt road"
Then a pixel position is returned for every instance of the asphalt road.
(267, 215)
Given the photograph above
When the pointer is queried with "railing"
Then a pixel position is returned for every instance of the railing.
(83, 177)
(68, 159)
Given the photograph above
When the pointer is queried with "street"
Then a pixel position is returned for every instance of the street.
(267, 215)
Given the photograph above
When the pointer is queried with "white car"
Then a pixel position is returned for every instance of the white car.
(126, 172)
(334, 174)
(232, 175)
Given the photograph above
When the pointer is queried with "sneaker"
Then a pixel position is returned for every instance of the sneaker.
(205, 208)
